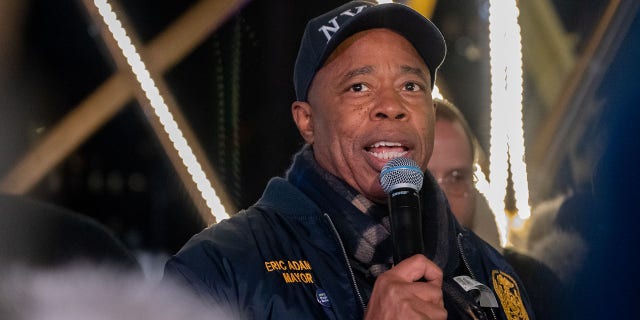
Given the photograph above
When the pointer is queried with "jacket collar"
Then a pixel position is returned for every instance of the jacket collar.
(288, 200)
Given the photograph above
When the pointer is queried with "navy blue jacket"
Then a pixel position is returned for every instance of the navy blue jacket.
(282, 258)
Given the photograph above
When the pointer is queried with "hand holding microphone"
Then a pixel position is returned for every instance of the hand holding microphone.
(412, 289)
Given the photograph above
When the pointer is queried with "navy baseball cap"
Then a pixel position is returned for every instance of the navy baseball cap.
(325, 32)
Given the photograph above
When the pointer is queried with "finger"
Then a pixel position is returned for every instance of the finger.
(418, 267)
(433, 273)
(417, 300)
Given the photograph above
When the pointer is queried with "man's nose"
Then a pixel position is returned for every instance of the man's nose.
(389, 106)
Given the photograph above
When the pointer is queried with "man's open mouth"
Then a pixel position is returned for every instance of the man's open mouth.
(387, 150)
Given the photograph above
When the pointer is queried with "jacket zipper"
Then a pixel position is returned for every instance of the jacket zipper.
(346, 259)
(466, 264)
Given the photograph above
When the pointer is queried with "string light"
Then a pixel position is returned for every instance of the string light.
(507, 133)
(161, 109)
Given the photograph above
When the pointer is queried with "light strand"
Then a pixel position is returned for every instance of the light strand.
(161, 109)
(507, 133)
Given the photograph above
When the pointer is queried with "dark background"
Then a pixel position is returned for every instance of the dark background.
(122, 177)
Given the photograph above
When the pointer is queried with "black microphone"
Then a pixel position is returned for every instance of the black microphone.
(401, 179)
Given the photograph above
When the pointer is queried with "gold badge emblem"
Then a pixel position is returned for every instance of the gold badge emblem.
(509, 295)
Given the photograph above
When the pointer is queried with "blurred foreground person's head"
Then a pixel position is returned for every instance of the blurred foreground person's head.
(83, 292)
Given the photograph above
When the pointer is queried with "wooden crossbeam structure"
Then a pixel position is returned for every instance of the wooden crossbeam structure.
(160, 54)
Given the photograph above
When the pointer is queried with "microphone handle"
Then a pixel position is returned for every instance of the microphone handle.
(406, 223)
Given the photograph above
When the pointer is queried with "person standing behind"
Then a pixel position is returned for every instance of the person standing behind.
(455, 152)
(317, 245)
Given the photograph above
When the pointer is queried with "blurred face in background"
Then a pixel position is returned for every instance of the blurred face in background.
(452, 165)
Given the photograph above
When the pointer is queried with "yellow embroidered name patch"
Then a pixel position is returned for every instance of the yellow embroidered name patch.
(509, 295)
(291, 270)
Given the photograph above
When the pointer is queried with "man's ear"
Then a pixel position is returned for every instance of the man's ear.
(303, 117)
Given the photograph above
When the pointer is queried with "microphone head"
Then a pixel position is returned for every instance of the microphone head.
(401, 173)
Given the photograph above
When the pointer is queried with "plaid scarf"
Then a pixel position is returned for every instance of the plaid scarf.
(363, 226)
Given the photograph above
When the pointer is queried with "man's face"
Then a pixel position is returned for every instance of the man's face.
(452, 165)
(370, 102)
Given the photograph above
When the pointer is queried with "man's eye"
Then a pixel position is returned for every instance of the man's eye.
(358, 87)
(460, 175)
(412, 86)
(457, 179)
